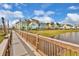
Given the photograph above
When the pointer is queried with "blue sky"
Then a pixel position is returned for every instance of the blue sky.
(45, 12)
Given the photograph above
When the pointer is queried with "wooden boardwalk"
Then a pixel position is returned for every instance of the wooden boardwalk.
(18, 48)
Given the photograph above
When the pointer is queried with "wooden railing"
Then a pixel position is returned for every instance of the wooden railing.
(6, 45)
(50, 46)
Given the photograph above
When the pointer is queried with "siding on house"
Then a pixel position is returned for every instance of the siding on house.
(24, 26)
(42, 26)
(33, 25)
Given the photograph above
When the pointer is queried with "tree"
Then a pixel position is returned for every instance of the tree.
(52, 23)
(47, 25)
(4, 25)
(59, 25)
(36, 21)
(28, 22)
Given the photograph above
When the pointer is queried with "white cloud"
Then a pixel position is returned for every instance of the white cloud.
(15, 21)
(9, 15)
(45, 16)
(18, 14)
(72, 18)
(44, 19)
(73, 7)
(47, 19)
(4, 13)
(39, 12)
(6, 6)
(17, 5)
(50, 12)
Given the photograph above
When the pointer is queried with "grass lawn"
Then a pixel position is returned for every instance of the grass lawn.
(51, 33)
(1, 36)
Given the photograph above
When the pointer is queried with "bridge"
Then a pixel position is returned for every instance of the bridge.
(21, 43)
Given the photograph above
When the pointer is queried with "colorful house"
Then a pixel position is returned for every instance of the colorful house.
(27, 24)
(67, 26)
(34, 24)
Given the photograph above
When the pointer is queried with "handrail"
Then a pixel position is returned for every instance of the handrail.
(50, 46)
(5, 46)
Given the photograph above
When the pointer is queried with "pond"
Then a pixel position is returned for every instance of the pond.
(72, 37)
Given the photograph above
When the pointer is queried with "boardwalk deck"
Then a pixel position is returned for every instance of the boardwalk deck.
(19, 48)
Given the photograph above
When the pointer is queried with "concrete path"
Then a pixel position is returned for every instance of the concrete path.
(19, 48)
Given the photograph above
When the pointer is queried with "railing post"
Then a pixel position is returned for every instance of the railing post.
(10, 43)
(8, 49)
(8, 46)
(37, 42)
(27, 36)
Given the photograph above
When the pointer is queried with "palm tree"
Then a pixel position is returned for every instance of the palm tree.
(4, 25)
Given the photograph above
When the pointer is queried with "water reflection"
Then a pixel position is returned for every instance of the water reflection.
(69, 37)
